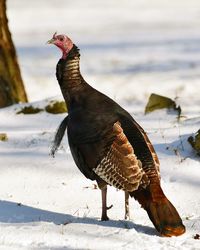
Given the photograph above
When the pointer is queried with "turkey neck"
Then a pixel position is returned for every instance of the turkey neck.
(69, 77)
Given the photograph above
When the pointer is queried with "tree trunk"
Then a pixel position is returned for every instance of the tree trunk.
(11, 84)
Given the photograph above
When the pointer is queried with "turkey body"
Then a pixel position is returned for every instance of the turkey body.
(109, 146)
(90, 130)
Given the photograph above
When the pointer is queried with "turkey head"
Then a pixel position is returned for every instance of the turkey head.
(63, 42)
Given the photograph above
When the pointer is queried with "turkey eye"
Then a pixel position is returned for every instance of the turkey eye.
(61, 39)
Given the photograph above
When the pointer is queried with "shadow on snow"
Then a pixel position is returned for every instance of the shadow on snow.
(11, 212)
(180, 146)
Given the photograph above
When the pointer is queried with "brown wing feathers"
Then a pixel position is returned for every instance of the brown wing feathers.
(152, 172)
(120, 167)
(154, 155)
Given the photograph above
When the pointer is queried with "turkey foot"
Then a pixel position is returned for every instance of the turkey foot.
(107, 208)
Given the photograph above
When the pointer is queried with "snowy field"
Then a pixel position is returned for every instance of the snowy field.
(129, 49)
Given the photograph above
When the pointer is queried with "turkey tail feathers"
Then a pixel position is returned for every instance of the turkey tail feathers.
(59, 136)
(160, 210)
(165, 218)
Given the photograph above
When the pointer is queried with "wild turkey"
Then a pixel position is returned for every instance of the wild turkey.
(108, 145)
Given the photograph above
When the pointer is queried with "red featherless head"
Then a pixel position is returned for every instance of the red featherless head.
(63, 42)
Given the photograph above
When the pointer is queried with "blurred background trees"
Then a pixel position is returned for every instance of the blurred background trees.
(11, 85)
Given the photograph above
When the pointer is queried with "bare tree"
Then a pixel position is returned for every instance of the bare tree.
(11, 84)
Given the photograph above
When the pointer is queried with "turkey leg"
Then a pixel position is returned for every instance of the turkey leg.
(127, 211)
(104, 216)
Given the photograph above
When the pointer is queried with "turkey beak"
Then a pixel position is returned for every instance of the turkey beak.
(51, 41)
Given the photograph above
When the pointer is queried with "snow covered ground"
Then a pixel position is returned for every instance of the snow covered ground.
(129, 49)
